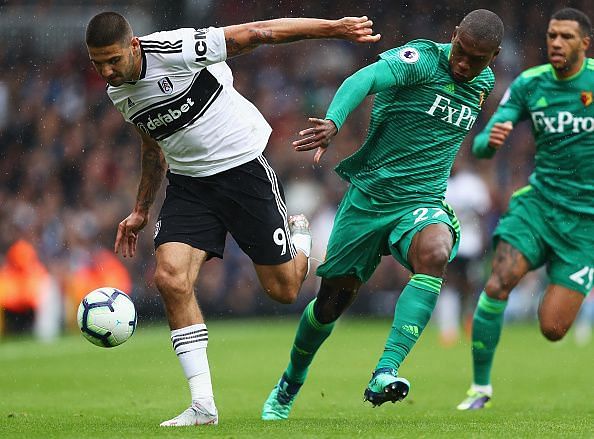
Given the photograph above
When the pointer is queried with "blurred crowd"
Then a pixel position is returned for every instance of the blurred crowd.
(70, 165)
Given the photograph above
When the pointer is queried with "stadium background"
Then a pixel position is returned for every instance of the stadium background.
(70, 165)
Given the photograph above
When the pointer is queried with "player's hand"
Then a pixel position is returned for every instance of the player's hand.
(499, 133)
(358, 29)
(318, 136)
(127, 236)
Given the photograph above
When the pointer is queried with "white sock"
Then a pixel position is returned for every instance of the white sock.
(190, 344)
(486, 389)
(302, 242)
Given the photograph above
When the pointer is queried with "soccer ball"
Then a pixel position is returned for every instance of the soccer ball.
(107, 317)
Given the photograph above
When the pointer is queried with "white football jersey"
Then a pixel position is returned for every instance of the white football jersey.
(185, 100)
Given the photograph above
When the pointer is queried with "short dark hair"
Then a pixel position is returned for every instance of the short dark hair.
(483, 25)
(108, 28)
(575, 15)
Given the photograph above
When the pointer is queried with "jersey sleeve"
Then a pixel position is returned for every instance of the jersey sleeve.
(188, 47)
(512, 108)
(203, 47)
(369, 80)
(414, 63)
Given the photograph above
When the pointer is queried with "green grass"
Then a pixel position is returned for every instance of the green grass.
(73, 389)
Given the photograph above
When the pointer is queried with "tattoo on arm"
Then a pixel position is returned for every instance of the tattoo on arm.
(256, 38)
(234, 48)
(261, 36)
(153, 170)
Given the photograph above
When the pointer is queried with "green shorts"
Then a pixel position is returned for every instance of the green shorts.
(365, 230)
(547, 234)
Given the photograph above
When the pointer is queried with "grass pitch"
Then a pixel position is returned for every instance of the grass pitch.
(73, 389)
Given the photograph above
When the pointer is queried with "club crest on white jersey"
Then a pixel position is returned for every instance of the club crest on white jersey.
(166, 85)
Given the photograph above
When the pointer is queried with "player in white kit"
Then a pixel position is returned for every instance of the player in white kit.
(176, 89)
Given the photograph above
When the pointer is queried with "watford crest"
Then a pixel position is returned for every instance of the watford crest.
(482, 99)
(586, 98)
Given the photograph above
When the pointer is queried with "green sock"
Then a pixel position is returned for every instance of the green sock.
(486, 330)
(412, 313)
(310, 336)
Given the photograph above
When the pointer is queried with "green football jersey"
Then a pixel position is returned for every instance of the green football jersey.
(417, 126)
(561, 112)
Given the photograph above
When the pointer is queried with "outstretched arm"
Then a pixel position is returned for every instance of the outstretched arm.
(242, 38)
(369, 80)
(153, 167)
